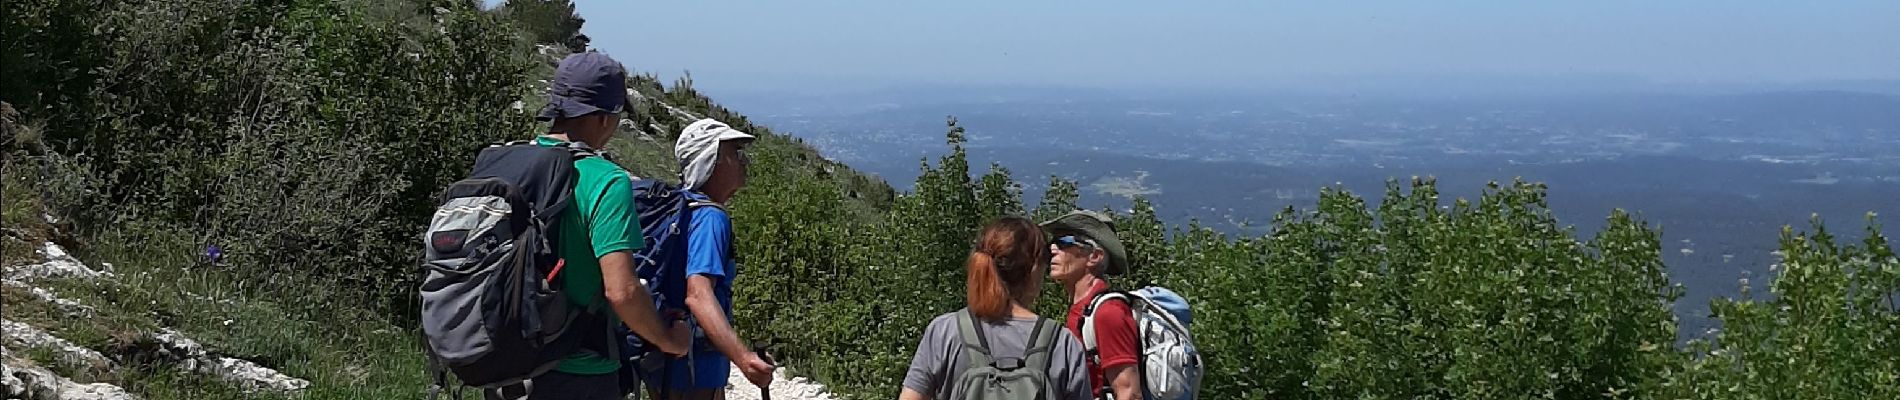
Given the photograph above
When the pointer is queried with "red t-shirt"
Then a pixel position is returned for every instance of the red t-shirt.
(1114, 334)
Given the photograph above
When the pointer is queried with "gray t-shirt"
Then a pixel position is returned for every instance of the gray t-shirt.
(940, 356)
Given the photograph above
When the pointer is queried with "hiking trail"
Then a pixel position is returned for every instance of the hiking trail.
(784, 387)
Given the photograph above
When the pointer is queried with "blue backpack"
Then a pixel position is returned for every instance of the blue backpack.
(665, 217)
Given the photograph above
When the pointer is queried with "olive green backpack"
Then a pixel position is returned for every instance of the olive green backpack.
(988, 377)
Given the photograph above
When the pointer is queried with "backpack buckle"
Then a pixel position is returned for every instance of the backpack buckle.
(1007, 363)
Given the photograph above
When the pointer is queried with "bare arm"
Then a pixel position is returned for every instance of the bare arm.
(712, 318)
(634, 305)
(909, 394)
(1125, 381)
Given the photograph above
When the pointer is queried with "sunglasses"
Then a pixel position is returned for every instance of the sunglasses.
(743, 159)
(1069, 241)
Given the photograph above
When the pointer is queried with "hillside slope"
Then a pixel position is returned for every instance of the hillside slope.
(243, 184)
(178, 193)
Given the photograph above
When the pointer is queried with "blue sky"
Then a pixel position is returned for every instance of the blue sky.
(801, 45)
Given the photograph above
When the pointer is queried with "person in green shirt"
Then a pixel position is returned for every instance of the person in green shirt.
(600, 231)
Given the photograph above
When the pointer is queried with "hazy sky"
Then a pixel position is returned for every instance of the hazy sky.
(795, 45)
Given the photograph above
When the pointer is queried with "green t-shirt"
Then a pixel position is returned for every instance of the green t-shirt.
(601, 221)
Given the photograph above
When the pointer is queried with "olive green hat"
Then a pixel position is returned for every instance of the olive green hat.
(1098, 227)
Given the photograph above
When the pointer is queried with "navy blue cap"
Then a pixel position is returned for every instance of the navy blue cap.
(585, 83)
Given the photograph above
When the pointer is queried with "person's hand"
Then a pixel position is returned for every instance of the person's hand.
(680, 334)
(756, 370)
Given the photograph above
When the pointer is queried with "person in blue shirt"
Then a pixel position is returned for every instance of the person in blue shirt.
(712, 168)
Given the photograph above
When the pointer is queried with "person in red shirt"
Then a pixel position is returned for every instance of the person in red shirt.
(1084, 253)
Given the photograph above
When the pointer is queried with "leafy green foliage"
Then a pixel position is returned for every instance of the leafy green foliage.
(308, 139)
(810, 259)
(1828, 332)
(1412, 297)
(545, 21)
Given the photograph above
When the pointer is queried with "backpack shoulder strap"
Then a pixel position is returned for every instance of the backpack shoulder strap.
(692, 203)
(1042, 343)
(577, 149)
(976, 346)
(514, 163)
(1088, 321)
(1090, 346)
(439, 372)
(581, 150)
(695, 199)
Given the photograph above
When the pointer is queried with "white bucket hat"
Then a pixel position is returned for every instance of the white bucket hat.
(698, 148)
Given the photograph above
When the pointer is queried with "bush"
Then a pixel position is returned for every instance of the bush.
(309, 139)
(305, 138)
(1827, 333)
(1414, 297)
(545, 21)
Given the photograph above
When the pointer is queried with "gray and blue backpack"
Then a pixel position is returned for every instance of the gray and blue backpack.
(493, 313)
(1170, 364)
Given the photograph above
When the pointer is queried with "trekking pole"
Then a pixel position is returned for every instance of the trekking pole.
(765, 354)
(664, 390)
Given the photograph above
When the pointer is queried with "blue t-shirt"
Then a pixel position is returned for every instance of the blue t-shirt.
(708, 253)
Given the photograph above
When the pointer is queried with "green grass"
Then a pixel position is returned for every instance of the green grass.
(345, 351)
(643, 158)
(111, 326)
(169, 383)
(19, 209)
(53, 361)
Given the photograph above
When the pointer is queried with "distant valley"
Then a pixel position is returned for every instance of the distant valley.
(1719, 174)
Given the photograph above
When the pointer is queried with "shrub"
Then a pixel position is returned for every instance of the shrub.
(1828, 332)
(306, 138)
(309, 139)
(544, 21)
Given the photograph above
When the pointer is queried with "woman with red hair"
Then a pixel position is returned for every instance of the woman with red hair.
(997, 339)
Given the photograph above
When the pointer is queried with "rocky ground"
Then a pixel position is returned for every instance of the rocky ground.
(783, 388)
(25, 378)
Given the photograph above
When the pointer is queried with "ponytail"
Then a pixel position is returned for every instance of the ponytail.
(988, 297)
(1001, 268)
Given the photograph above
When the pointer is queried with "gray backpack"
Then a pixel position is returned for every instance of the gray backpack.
(987, 377)
(493, 313)
(1170, 363)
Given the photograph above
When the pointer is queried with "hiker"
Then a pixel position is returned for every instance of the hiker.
(993, 348)
(713, 166)
(1084, 253)
(600, 231)
(528, 263)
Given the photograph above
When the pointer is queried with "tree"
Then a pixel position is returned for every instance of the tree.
(546, 21)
